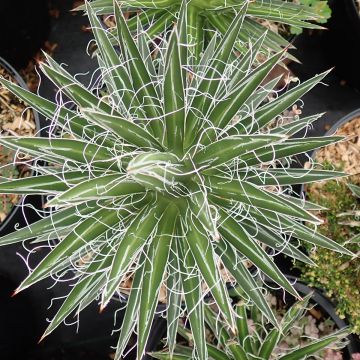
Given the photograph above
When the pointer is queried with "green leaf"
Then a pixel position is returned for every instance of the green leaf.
(85, 232)
(91, 280)
(355, 190)
(216, 326)
(293, 127)
(269, 111)
(202, 250)
(59, 219)
(287, 148)
(129, 321)
(102, 187)
(193, 299)
(174, 97)
(63, 150)
(297, 229)
(173, 296)
(269, 344)
(236, 350)
(155, 264)
(244, 279)
(244, 192)
(228, 148)
(234, 234)
(73, 88)
(210, 82)
(314, 346)
(119, 84)
(287, 176)
(78, 126)
(43, 184)
(275, 241)
(141, 81)
(130, 246)
(132, 133)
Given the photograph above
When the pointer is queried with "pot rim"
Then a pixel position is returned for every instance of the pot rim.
(20, 82)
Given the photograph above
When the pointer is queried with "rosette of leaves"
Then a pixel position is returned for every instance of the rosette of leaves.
(254, 337)
(166, 177)
(205, 17)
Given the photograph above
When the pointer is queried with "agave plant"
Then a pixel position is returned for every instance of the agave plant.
(254, 337)
(204, 17)
(165, 175)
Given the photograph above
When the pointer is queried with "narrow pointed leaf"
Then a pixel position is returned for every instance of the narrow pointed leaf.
(61, 150)
(43, 183)
(193, 299)
(130, 246)
(231, 147)
(88, 230)
(249, 194)
(132, 133)
(155, 263)
(202, 250)
(234, 234)
(102, 187)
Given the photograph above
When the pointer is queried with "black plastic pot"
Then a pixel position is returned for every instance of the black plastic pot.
(353, 12)
(18, 214)
(327, 307)
(24, 27)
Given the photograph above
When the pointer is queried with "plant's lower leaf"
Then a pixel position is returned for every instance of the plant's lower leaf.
(193, 299)
(155, 264)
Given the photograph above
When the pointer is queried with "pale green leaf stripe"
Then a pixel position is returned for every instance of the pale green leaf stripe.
(130, 246)
(61, 150)
(104, 187)
(41, 184)
(232, 147)
(273, 176)
(155, 264)
(132, 133)
(193, 299)
(241, 191)
(299, 230)
(61, 218)
(132, 307)
(234, 234)
(203, 252)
